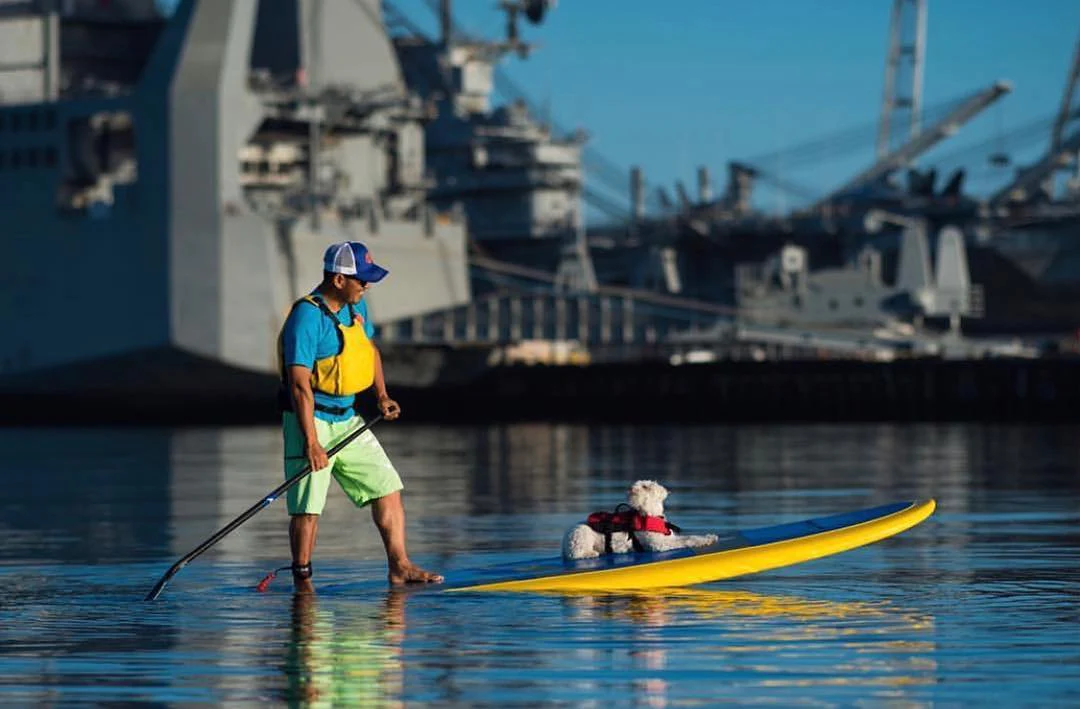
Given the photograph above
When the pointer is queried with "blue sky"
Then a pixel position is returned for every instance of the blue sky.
(671, 85)
(677, 84)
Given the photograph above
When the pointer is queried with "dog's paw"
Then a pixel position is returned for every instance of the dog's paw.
(705, 540)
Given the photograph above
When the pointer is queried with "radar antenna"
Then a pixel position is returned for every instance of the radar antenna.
(534, 11)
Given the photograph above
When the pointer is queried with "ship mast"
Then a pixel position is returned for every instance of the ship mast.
(311, 74)
(446, 22)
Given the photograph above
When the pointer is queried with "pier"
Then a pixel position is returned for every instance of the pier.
(741, 391)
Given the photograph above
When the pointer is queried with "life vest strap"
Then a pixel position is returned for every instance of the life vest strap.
(284, 398)
(321, 304)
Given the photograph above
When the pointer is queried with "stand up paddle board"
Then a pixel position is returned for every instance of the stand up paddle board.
(738, 554)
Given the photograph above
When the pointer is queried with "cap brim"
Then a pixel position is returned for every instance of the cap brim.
(371, 273)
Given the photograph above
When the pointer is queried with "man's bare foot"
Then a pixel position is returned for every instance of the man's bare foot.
(303, 585)
(401, 574)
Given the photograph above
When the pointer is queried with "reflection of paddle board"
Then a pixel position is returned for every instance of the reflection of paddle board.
(742, 553)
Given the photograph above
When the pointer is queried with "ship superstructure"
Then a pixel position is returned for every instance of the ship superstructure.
(518, 181)
(168, 182)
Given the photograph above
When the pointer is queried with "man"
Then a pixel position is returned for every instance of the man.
(327, 358)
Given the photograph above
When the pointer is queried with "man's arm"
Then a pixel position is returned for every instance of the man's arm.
(298, 341)
(388, 406)
(304, 405)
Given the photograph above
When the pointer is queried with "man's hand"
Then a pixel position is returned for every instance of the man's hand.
(389, 408)
(316, 456)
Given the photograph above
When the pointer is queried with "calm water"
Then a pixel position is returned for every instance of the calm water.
(979, 604)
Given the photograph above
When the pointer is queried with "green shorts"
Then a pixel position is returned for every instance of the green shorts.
(362, 468)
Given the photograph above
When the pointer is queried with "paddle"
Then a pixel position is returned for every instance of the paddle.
(251, 511)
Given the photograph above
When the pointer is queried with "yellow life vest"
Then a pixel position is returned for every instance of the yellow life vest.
(352, 369)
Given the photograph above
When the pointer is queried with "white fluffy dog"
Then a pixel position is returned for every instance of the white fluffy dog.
(642, 528)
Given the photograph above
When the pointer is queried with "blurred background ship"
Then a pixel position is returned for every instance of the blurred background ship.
(184, 169)
(719, 262)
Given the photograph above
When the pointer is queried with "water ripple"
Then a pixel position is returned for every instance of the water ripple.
(978, 605)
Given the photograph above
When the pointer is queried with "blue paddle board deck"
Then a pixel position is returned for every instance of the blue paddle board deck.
(698, 565)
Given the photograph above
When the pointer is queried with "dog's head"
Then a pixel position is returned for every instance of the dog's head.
(647, 497)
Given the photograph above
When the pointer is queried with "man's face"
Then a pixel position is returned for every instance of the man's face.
(354, 289)
(349, 289)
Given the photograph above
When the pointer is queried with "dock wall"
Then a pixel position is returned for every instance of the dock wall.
(833, 390)
(731, 391)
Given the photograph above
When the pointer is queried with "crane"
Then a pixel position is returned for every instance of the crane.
(1064, 146)
(925, 140)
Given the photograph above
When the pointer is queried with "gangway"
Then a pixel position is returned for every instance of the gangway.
(612, 315)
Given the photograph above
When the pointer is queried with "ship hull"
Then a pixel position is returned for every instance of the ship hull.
(159, 256)
(164, 385)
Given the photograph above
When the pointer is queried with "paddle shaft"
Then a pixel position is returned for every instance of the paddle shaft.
(252, 511)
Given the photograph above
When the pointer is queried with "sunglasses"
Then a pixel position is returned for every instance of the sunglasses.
(363, 283)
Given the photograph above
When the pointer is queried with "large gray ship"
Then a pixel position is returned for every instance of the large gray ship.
(168, 183)
(179, 173)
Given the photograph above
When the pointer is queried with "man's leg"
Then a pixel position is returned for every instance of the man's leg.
(389, 515)
(367, 476)
(305, 499)
(302, 532)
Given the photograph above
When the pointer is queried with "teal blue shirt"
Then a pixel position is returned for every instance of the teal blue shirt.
(309, 335)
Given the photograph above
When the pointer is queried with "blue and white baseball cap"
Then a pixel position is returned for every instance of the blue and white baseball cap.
(351, 258)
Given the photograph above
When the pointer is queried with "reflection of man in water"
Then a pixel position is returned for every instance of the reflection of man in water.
(351, 657)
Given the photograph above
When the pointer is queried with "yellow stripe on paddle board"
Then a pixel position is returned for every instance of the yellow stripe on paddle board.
(723, 564)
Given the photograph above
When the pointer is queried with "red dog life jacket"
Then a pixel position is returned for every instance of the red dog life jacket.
(626, 519)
